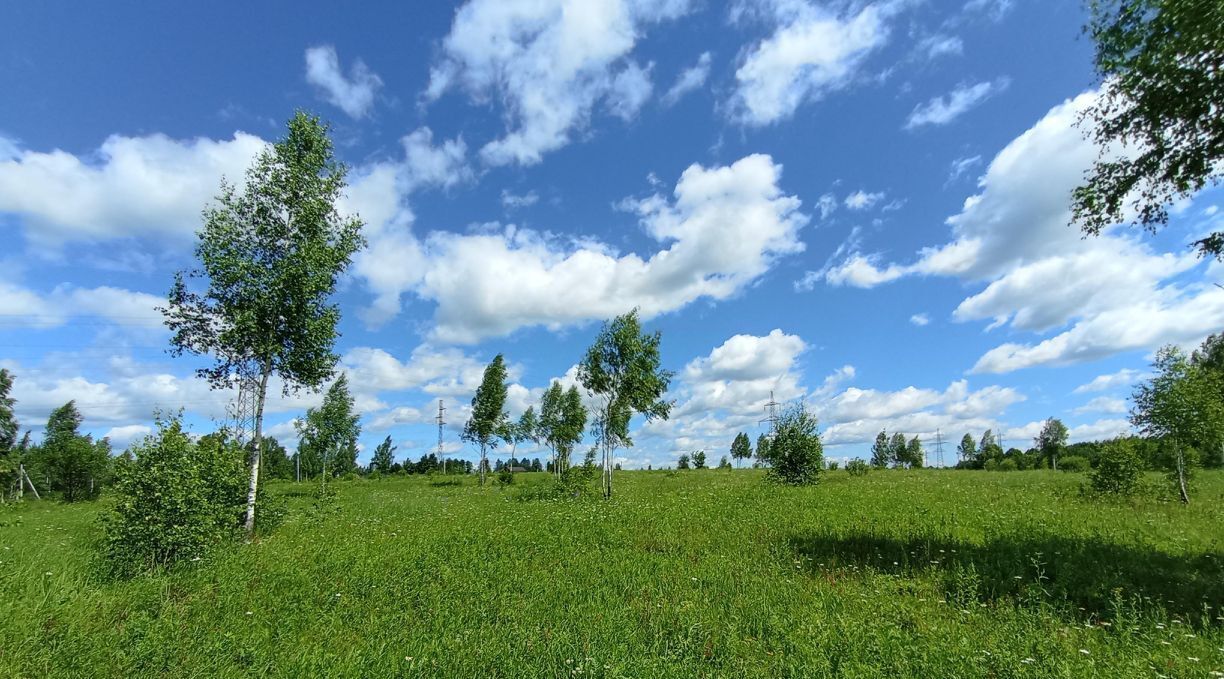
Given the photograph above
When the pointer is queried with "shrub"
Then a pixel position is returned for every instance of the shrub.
(1074, 463)
(1008, 465)
(991, 465)
(505, 477)
(833, 465)
(796, 456)
(176, 499)
(857, 467)
(1119, 468)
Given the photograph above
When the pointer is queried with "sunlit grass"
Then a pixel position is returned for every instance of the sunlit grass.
(701, 573)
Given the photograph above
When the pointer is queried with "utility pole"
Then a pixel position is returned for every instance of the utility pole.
(939, 448)
(771, 415)
(441, 455)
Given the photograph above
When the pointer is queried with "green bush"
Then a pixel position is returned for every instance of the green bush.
(175, 500)
(991, 465)
(1119, 468)
(1008, 465)
(796, 456)
(505, 477)
(857, 467)
(1074, 463)
(833, 465)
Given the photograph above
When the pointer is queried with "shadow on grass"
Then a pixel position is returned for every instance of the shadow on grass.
(1107, 580)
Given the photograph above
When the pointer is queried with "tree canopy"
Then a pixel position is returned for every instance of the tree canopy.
(1162, 69)
(270, 255)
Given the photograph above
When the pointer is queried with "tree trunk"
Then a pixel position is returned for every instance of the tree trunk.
(484, 463)
(1181, 476)
(253, 489)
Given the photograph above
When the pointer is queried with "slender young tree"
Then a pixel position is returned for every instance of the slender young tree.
(1181, 405)
(683, 462)
(271, 254)
(329, 433)
(741, 447)
(552, 404)
(896, 450)
(914, 455)
(967, 450)
(489, 421)
(699, 459)
(383, 458)
(881, 451)
(74, 462)
(622, 367)
(9, 462)
(1051, 440)
(762, 449)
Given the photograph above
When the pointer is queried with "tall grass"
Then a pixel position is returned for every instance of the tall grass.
(702, 573)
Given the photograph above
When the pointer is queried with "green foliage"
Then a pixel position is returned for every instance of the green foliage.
(383, 458)
(897, 449)
(1008, 464)
(489, 420)
(724, 463)
(1162, 68)
(1182, 405)
(915, 458)
(622, 367)
(796, 455)
(1074, 463)
(857, 467)
(881, 451)
(1051, 441)
(967, 451)
(741, 447)
(1119, 468)
(75, 464)
(328, 434)
(175, 500)
(683, 462)
(276, 461)
(699, 459)
(762, 448)
(271, 254)
(8, 421)
(505, 476)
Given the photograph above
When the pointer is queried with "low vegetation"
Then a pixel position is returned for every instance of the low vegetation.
(930, 573)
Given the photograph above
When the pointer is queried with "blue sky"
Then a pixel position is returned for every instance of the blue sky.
(861, 205)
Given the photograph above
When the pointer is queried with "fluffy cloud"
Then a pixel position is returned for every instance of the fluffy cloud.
(726, 391)
(689, 80)
(1103, 404)
(920, 320)
(149, 186)
(723, 227)
(862, 200)
(550, 62)
(123, 307)
(812, 52)
(353, 94)
(945, 109)
(1123, 378)
(857, 415)
(1105, 295)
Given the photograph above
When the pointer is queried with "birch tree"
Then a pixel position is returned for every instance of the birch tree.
(489, 421)
(622, 367)
(270, 254)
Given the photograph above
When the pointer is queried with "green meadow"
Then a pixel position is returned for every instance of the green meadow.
(926, 573)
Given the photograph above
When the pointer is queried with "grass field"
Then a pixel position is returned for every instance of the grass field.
(704, 573)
